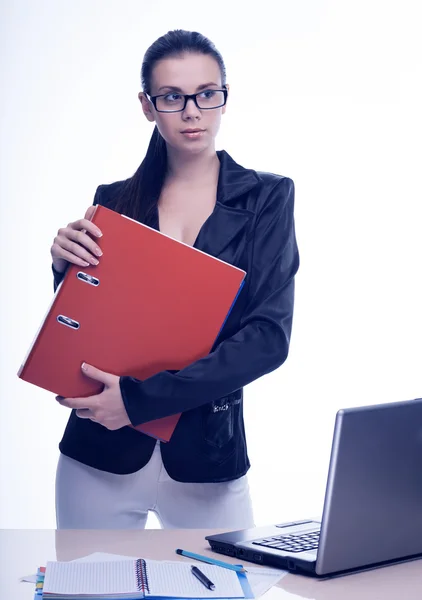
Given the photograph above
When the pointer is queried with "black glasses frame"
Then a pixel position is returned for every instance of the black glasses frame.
(186, 98)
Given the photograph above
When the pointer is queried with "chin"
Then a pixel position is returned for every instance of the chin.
(194, 147)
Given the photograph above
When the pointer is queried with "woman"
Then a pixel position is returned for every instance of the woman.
(110, 475)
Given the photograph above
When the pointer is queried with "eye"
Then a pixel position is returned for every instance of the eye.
(207, 94)
(172, 97)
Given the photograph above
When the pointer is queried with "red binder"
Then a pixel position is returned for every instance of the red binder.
(152, 304)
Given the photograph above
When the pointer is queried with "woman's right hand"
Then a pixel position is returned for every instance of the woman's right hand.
(73, 245)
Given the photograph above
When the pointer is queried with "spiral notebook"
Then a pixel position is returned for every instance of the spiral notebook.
(140, 578)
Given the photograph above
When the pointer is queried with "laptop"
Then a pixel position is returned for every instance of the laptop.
(372, 513)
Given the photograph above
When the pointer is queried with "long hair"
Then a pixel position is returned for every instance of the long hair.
(140, 194)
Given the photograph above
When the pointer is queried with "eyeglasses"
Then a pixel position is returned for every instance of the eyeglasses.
(175, 102)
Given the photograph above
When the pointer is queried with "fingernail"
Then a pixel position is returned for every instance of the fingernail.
(94, 261)
(85, 264)
(98, 233)
(98, 252)
(84, 367)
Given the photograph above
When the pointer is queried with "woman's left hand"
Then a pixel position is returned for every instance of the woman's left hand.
(106, 408)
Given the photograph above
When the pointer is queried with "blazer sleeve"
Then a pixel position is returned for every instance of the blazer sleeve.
(259, 346)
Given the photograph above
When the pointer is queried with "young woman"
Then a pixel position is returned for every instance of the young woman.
(110, 475)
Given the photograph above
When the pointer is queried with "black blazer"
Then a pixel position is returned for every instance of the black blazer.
(252, 227)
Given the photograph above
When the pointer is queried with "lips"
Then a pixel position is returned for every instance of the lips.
(192, 130)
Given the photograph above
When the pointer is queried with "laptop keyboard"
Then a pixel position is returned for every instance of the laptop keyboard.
(294, 542)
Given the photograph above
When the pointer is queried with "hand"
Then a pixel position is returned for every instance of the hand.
(73, 245)
(106, 408)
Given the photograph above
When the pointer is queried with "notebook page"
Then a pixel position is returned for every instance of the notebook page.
(74, 578)
(176, 580)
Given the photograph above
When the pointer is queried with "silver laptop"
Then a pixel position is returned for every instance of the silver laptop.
(372, 512)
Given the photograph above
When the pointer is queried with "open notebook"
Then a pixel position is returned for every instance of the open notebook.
(133, 579)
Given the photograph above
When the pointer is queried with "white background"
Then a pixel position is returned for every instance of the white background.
(327, 93)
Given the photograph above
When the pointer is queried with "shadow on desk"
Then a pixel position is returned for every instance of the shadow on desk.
(395, 582)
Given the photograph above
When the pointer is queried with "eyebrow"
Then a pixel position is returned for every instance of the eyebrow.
(177, 89)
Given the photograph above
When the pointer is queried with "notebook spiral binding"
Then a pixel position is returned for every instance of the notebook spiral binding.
(142, 575)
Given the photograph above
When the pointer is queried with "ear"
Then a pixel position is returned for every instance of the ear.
(225, 106)
(147, 106)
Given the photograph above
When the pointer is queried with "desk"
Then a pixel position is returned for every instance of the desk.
(22, 551)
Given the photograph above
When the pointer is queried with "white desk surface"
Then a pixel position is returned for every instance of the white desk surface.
(23, 551)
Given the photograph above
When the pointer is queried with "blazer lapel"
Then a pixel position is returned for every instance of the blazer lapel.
(227, 222)
(221, 228)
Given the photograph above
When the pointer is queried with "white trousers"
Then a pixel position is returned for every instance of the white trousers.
(87, 498)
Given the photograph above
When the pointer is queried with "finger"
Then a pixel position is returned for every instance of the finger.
(85, 413)
(90, 212)
(77, 243)
(81, 237)
(58, 252)
(85, 224)
(94, 373)
(77, 403)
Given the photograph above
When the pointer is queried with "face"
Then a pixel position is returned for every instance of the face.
(189, 74)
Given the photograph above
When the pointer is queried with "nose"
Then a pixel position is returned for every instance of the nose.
(191, 110)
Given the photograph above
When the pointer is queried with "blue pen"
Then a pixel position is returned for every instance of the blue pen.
(211, 561)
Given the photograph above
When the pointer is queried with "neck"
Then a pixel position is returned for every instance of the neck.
(192, 168)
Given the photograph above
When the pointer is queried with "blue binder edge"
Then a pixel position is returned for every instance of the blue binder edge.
(231, 307)
(246, 586)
